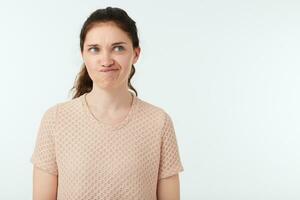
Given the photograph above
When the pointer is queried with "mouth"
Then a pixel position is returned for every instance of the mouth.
(108, 70)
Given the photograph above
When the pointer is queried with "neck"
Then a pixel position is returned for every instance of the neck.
(108, 101)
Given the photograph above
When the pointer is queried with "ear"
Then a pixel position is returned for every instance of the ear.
(137, 52)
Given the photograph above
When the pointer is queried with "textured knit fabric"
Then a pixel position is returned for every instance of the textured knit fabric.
(95, 160)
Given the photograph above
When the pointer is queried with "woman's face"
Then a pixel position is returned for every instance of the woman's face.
(107, 47)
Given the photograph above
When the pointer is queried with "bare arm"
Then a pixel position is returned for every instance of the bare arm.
(44, 185)
(169, 188)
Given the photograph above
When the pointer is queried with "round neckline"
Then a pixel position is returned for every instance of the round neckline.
(105, 125)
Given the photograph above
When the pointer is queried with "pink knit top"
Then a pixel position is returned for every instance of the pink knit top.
(94, 160)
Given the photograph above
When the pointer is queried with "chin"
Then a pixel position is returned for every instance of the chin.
(107, 85)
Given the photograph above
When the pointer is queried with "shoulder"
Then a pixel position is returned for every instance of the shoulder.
(62, 107)
(155, 113)
(69, 104)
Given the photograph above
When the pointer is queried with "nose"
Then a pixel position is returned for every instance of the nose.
(105, 59)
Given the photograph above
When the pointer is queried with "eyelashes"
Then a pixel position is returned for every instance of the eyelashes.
(121, 48)
(93, 48)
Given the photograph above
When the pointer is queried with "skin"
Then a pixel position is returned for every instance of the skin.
(169, 188)
(44, 185)
(109, 99)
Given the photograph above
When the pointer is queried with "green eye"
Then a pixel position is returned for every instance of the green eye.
(120, 48)
(92, 48)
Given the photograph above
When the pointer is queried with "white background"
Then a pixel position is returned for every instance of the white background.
(226, 71)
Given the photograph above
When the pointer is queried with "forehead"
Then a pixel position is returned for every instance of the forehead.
(106, 33)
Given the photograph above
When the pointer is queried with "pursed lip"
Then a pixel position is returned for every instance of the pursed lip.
(107, 70)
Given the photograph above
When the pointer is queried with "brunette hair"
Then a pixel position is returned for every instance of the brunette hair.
(83, 83)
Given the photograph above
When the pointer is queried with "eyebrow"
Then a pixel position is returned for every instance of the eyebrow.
(113, 44)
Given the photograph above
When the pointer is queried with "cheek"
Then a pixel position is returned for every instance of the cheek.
(124, 61)
(90, 63)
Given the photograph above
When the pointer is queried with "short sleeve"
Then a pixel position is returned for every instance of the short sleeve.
(170, 162)
(44, 155)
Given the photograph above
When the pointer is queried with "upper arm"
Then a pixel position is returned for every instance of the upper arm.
(168, 188)
(170, 163)
(44, 185)
(45, 169)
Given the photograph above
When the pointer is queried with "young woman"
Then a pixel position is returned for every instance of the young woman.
(106, 143)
